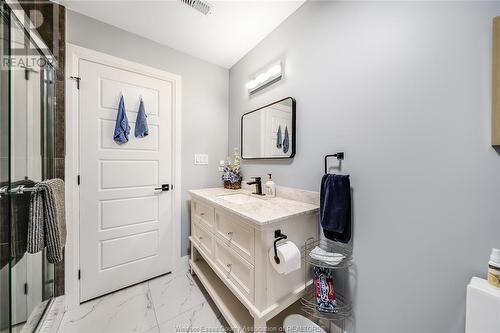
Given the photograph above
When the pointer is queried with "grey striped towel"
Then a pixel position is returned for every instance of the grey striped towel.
(47, 223)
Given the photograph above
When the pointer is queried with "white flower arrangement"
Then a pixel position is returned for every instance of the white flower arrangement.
(231, 172)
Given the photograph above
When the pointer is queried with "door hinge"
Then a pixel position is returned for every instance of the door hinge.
(78, 179)
(77, 78)
(26, 289)
(79, 274)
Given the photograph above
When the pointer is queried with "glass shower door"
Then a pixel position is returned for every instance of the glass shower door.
(29, 159)
(4, 174)
(31, 274)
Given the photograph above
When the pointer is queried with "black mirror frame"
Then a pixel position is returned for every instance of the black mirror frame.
(294, 131)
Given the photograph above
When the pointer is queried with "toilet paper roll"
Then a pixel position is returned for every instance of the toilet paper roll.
(289, 255)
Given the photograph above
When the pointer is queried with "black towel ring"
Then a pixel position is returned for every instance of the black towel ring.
(339, 156)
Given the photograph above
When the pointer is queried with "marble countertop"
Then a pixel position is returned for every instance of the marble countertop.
(261, 211)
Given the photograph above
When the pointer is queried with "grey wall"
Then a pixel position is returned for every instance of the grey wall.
(204, 98)
(404, 89)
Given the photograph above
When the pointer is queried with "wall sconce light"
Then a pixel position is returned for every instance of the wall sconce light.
(264, 79)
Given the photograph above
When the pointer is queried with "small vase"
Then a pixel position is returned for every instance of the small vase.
(232, 186)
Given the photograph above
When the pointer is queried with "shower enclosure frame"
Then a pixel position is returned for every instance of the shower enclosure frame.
(13, 13)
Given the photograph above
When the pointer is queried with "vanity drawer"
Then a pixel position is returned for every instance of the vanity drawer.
(204, 239)
(235, 269)
(204, 212)
(235, 234)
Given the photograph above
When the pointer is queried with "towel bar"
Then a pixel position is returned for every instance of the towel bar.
(20, 189)
(3, 190)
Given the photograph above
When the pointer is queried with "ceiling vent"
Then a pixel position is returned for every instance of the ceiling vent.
(201, 6)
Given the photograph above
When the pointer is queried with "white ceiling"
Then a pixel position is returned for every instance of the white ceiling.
(222, 37)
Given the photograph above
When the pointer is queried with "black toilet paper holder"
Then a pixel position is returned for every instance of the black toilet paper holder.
(278, 236)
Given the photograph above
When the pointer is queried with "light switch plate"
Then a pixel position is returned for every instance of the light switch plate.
(201, 159)
(222, 163)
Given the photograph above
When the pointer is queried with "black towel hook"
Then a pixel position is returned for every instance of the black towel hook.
(278, 236)
(339, 156)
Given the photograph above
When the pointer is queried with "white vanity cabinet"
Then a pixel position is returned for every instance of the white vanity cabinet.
(230, 244)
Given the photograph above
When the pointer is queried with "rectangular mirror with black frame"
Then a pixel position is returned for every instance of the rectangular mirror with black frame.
(269, 131)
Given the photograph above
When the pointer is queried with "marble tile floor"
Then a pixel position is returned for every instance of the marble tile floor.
(174, 303)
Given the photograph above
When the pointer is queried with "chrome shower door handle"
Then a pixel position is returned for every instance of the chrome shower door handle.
(21, 189)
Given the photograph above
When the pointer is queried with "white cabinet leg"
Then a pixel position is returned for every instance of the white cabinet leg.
(193, 258)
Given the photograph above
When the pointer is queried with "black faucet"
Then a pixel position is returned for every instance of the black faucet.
(258, 185)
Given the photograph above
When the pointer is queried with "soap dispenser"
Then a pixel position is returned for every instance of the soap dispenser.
(270, 187)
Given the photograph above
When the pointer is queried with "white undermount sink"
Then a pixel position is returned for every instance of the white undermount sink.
(240, 198)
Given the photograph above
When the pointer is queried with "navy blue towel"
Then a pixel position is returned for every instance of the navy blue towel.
(286, 141)
(122, 128)
(279, 140)
(141, 123)
(335, 207)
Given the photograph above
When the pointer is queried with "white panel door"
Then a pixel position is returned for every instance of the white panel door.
(126, 231)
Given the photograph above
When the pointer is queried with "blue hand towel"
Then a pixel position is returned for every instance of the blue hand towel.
(286, 141)
(141, 123)
(335, 207)
(278, 137)
(122, 128)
